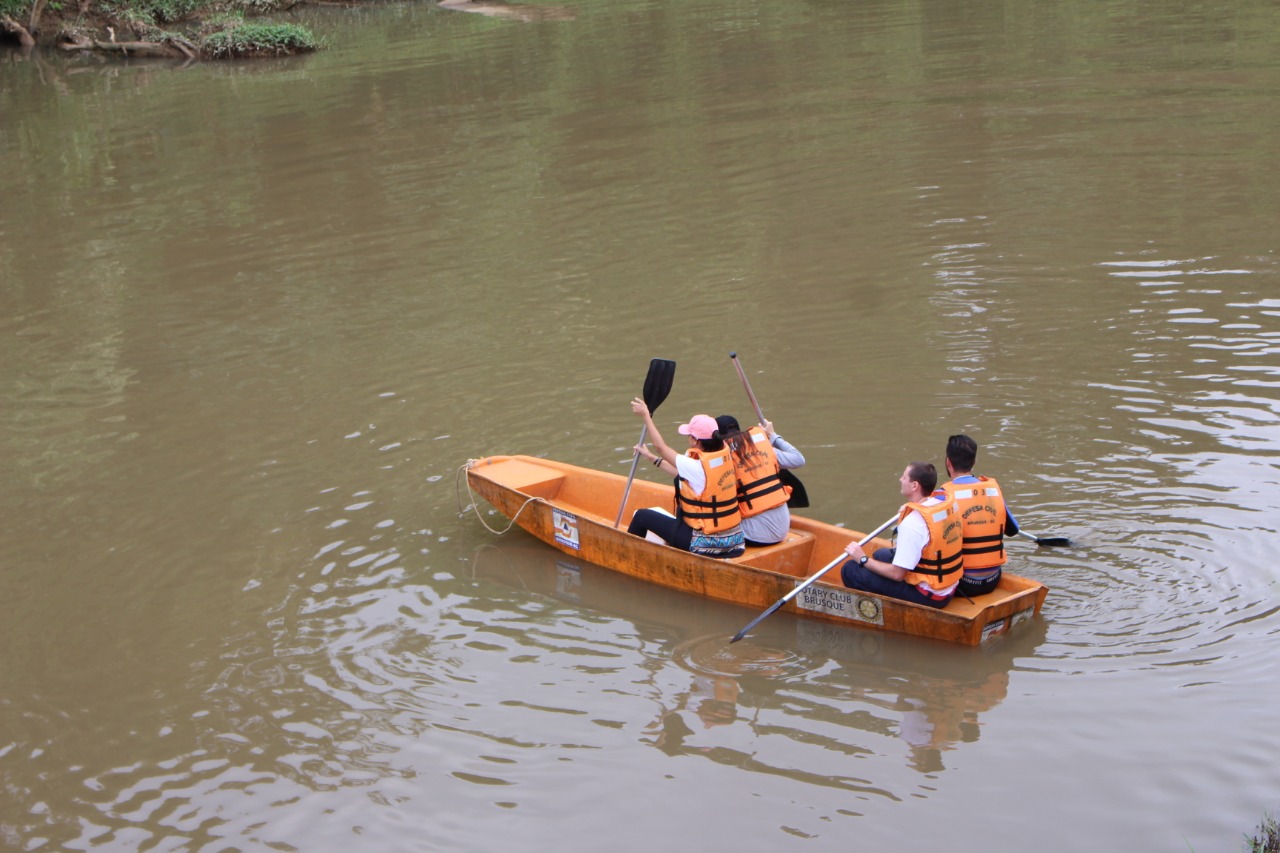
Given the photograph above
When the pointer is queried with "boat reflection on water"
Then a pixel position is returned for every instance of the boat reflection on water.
(932, 695)
(793, 687)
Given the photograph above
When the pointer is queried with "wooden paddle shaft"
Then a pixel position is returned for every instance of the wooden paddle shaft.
(828, 567)
(657, 385)
(635, 460)
(747, 385)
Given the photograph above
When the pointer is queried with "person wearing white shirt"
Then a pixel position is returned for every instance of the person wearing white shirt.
(709, 522)
(892, 571)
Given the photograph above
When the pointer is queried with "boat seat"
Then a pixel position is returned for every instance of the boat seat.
(532, 479)
(791, 556)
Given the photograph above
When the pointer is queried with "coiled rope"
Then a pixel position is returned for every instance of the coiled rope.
(474, 505)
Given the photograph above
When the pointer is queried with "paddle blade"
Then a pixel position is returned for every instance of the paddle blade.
(1046, 541)
(799, 496)
(657, 385)
(756, 621)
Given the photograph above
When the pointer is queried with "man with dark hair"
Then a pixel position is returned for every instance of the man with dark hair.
(985, 516)
(926, 564)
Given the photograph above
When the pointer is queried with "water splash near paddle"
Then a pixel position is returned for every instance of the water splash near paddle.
(712, 656)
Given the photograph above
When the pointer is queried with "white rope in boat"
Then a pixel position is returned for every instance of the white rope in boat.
(475, 504)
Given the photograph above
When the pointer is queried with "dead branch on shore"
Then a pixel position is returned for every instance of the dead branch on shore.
(189, 50)
(168, 49)
(9, 25)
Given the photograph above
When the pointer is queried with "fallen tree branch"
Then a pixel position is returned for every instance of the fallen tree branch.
(188, 49)
(165, 50)
(10, 25)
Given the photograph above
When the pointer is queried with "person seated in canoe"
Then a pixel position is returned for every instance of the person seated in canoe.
(985, 516)
(926, 564)
(707, 520)
(759, 455)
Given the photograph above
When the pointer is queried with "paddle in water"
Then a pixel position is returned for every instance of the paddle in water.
(1046, 541)
(828, 567)
(657, 385)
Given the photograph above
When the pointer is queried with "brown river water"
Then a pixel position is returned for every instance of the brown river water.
(254, 318)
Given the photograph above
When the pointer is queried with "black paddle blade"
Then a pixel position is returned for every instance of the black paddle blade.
(1053, 542)
(657, 385)
(756, 621)
(799, 495)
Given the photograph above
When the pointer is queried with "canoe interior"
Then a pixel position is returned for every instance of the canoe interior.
(574, 508)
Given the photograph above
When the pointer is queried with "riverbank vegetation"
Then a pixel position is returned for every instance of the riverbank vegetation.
(1267, 839)
(190, 29)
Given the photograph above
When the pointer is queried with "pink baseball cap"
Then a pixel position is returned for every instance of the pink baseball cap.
(699, 426)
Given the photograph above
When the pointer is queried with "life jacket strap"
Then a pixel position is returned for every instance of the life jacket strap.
(764, 486)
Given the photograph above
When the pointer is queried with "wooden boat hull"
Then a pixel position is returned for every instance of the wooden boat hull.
(573, 508)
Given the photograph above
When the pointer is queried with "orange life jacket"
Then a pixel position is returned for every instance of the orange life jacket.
(942, 560)
(982, 512)
(756, 466)
(716, 508)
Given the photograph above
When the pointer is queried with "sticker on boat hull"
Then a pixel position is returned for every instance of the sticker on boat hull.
(1002, 626)
(994, 629)
(566, 528)
(845, 603)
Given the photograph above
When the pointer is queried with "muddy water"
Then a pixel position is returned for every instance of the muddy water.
(254, 318)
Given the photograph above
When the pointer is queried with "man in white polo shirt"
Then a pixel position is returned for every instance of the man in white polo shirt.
(926, 564)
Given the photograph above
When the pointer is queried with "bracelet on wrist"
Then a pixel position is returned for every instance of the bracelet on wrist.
(657, 460)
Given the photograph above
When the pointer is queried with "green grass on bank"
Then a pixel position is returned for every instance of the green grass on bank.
(247, 38)
(220, 29)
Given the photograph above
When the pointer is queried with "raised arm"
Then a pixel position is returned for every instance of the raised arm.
(788, 456)
(664, 453)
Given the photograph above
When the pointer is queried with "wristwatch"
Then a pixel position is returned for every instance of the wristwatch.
(863, 561)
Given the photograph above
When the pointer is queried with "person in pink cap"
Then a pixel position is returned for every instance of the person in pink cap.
(707, 520)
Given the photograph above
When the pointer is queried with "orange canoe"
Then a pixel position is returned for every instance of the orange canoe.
(573, 509)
